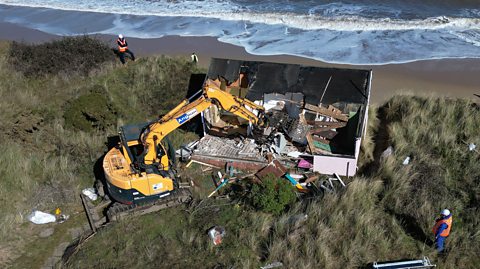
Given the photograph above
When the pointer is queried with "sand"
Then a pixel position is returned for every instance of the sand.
(455, 78)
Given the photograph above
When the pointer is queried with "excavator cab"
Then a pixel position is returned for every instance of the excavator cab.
(135, 150)
(132, 180)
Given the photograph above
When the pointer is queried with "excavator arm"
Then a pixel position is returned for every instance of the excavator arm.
(189, 108)
(138, 172)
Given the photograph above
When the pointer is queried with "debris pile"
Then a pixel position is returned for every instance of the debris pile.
(221, 147)
(313, 121)
(285, 146)
(294, 133)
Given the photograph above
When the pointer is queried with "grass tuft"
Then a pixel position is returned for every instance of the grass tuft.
(69, 55)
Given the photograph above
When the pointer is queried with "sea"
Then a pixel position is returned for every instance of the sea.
(358, 32)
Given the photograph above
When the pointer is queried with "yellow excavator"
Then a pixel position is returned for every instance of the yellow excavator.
(139, 172)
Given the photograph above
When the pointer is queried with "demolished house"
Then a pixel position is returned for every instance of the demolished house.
(316, 117)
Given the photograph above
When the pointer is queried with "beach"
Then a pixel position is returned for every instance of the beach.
(454, 78)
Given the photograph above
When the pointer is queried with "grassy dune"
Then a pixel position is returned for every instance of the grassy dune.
(46, 158)
(385, 213)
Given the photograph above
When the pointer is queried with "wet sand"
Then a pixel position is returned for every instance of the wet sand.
(456, 78)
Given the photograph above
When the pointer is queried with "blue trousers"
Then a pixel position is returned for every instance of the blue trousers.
(440, 243)
(122, 56)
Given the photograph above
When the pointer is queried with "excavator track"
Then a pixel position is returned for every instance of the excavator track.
(118, 211)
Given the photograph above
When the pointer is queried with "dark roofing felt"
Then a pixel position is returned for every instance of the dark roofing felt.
(346, 85)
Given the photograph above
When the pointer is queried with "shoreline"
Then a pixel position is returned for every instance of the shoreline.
(455, 78)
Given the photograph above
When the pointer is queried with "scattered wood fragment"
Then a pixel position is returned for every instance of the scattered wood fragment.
(311, 179)
(311, 146)
(205, 164)
(334, 110)
(274, 167)
(329, 134)
(330, 111)
(320, 130)
(331, 124)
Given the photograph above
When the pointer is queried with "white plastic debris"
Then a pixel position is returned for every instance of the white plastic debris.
(90, 193)
(216, 234)
(387, 152)
(472, 147)
(274, 104)
(280, 143)
(272, 265)
(294, 154)
(406, 161)
(62, 218)
(39, 217)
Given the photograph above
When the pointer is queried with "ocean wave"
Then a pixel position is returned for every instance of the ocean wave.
(346, 18)
(340, 39)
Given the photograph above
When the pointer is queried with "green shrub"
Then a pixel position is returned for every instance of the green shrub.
(89, 112)
(274, 195)
(68, 55)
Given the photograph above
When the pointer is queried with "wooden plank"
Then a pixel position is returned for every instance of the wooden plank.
(331, 124)
(90, 219)
(319, 130)
(205, 164)
(275, 168)
(327, 112)
(334, 110)
(311, 179)
(327, 134)
(311, 147)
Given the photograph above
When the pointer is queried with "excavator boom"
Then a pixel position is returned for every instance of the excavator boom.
(202, 100)
(138, 170)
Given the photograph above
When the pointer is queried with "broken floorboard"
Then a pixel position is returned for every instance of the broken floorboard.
(331, 111)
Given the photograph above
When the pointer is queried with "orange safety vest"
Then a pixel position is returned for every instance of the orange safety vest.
(122, 46)
(445, 232)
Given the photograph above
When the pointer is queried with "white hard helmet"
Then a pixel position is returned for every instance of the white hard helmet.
(120, 36)
(445, 212)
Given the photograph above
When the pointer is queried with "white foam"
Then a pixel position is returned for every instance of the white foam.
(225, 10)
(469, 36)
(346, 39)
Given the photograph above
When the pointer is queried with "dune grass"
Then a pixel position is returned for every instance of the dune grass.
(47, 156)
(385, 213)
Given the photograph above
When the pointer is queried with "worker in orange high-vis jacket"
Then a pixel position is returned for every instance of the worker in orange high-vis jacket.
(123, 48)
(442, 228)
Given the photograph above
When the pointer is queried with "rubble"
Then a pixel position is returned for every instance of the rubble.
(245, 149)
(223, 181)
(315, 120)
(183, 153)
(275, 168)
